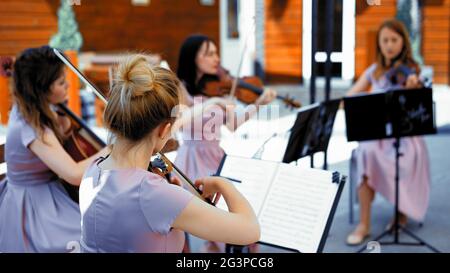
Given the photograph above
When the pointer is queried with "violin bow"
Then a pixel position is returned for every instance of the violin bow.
(80, 75)
(241, 61)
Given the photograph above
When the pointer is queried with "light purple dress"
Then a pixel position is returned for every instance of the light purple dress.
(129, 210)
(200, 154)
(36, 213)
(376, 161)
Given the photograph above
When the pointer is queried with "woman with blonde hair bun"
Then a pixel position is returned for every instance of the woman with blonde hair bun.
(126, 208)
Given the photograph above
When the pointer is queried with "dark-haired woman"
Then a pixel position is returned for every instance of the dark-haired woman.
(36, 212)
(200, 153)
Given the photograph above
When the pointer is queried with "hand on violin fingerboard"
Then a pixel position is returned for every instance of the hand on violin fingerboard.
(413, 81)
(267, 97)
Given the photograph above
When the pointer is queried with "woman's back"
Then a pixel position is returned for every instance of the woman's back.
(130, 210)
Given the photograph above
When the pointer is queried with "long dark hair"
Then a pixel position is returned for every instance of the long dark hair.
(35, 70)
(187, 68)
(404, 58)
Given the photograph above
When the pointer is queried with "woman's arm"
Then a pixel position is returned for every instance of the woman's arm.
(59, 161)
(234, 119)
(238, 226)
(187, 114)
(361, 85)
(413, 81)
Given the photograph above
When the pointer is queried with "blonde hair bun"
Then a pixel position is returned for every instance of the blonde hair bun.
(135, 75)
(142, 97)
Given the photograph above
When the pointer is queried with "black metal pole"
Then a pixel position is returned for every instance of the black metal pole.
(328, 65)
(312, 81)
(397, 181)
(329, 46)
(312, 84)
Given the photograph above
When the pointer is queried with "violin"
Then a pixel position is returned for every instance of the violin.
(248, 89)
(398, 75)
(80, 144)
(162, 166)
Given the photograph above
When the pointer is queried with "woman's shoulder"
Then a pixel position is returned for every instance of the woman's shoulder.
(161, 202)
(155, 186)
(369, 72)
(371, 68)
(19, 129)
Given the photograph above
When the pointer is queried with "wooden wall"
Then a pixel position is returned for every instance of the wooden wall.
(436, 37)
(368, 19)
(24, 24)
(159, 28)
(283, 40)
(109, 25)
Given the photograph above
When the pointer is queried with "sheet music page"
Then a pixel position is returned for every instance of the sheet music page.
(255, 177)
(296, 210)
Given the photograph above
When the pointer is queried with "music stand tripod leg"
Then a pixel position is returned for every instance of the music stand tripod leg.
(397, 226)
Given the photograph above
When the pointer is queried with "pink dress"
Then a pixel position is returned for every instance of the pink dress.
(200, 154)
(376, 161)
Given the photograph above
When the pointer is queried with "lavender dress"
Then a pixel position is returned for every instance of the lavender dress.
(376, 161)
(200, 154)
(36, 213)
(129, 210)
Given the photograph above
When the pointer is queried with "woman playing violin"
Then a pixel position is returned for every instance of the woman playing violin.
(126, 208)
(200, 153)
(374, 166)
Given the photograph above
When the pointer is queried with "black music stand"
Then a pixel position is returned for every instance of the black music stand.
(312, 130)
(310, 134)
(391, 114)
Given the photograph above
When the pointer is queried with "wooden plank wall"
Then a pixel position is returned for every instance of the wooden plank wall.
(159, 28)
(283, 40)
(109, 25)
(436, 37)
(119, 26)
(24, 24)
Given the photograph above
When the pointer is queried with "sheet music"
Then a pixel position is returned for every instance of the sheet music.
(296, 210)
(255, 179)
(293, 204)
